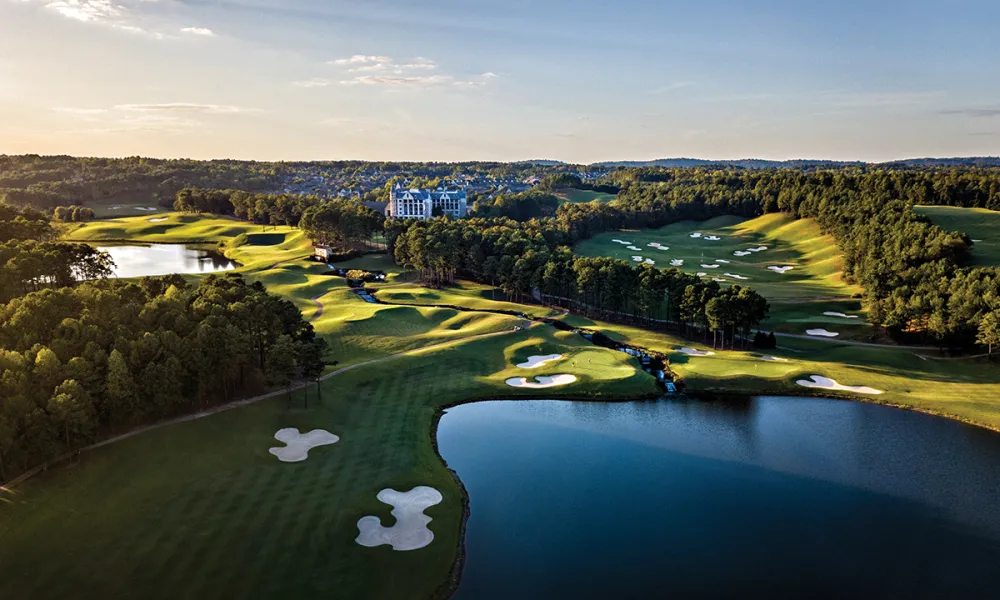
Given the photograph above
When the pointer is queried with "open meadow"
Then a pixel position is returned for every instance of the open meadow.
(576, 196)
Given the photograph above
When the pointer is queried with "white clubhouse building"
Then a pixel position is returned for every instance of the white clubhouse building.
(420, 204)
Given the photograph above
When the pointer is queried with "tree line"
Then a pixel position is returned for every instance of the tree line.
(533, 259)
(80, 362)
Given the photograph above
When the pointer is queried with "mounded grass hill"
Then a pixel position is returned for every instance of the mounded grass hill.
(981, 225)
(815, 260)
(201, 509)
(578, 196)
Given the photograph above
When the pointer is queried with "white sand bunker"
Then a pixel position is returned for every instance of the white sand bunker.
(718, 280)
(635, 249)
(693, 352)
(825, 383)
(147, 208)
(621, 242)
(780, 270)
(735, 276)
(677, 263)
(712, 238)
(658, 246)
(696, 235)
(637, 258)
(821, 333)
(539, 360)
(157, 220)
(543, 381)
(976, 241)
(773, 359)
(757, 249)
(701, 274)
(741, 254)
(709, 266)
(410, 531)
(839, 314)
(300, 444)
(650, 261)
(722, 261)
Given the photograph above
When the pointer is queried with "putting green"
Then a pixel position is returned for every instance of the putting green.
(815, 260)
(981, 225)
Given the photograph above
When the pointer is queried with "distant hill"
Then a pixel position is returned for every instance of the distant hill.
(755, 163)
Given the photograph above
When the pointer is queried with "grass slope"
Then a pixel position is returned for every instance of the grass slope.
(790, 242)
(578, 196)
(978, 223)
(201, 509)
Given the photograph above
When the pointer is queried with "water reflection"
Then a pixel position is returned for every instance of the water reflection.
(164, 259)
(765, 495)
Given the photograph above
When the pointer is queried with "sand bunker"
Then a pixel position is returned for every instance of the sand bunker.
(657, 245)
(147, 208)
(757, 249)
(635, 249)
(677, 263)
(650, 261)
(299, 444)
(543, 381)
(621, 242)
(157, 220)
(735, 276)
(539, 360)
(701, 274)
(693, 352)
(709, 266)
(976, 241)
(825, 383)
(722, 261)
(780, 270)
(712, 238)
(410, 531)
(741, 254)
(717, 280)
(840, 314)
(696, 235)
(773, 359)
(821, 333)
(637, 258)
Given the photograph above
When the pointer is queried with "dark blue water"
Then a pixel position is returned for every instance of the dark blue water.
(772, 496)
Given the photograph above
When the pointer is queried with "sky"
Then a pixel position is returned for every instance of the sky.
(450, 80)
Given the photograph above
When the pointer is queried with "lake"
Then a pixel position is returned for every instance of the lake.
(783, 497)
(164, 259)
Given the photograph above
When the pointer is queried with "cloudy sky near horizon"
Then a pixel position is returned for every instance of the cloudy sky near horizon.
(575, 80)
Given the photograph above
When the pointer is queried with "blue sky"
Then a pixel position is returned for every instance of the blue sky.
(500, 80)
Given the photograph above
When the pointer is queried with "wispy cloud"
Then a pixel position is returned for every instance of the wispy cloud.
(176, 117)
(315, 82)
(372, 70)
(101, 12)
(672, 87)
(204, 31)
(981, 113)
(187, 107)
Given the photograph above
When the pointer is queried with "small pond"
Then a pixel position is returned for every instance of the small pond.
(764, 497)
(164, 259)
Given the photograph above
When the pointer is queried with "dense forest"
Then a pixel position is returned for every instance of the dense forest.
(80, 360)
(532, 257)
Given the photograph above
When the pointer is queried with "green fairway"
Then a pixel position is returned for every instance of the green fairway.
(201, 509)
(577, 196)
(814, 257)
(981, 225)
